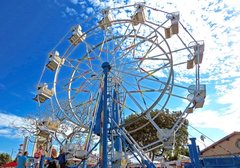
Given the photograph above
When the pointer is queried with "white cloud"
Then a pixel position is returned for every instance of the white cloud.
(214, 119)
(90, 10)
(9, 125)
(78, 2)
(5, 131)
(10, 133)
(97, 3)
(231, 98)
(74, 1)
(71, 11)
(10, 120)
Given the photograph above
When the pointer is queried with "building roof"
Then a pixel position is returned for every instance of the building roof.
(221, 140)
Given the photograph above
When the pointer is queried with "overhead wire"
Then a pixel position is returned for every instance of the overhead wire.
(227, 150)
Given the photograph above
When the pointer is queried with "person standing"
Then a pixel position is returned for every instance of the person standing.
(37, 156)
(53, 162)
(62, 159)
(22, 160)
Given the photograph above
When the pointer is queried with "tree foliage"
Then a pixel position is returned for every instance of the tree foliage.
(4, 158)
(148, 134)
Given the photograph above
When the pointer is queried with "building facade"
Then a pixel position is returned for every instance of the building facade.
(229, 145)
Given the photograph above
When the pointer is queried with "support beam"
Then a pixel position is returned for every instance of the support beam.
(104, 162)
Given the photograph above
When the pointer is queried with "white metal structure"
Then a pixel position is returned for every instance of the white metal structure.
(146, 58)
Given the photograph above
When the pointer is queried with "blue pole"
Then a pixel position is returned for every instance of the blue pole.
(118, 144)
(195, 153)
(106, 68)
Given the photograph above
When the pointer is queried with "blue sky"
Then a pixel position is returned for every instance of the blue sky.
(30, 29)
(27, 29)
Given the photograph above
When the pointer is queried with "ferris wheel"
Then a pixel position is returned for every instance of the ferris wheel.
(130, 61)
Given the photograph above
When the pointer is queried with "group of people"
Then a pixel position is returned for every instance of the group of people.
(41, 161)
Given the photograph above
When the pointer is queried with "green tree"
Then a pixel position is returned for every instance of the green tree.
(4, 158)
(144, 133)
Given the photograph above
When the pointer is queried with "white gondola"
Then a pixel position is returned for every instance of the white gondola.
(198, 48)
(168, 142)
(139, 16)
(43, 93)
(174, 28)
(49, 125)
(119, 159)
(200, 98)
(77, 35)
(199, 101)
(198, 54)
(80, 153)
(54, 60)
(117, 156)
(106, 20)
(202, 91)
(168, 145)
(75, 150)
(43, 135)
(199, 95)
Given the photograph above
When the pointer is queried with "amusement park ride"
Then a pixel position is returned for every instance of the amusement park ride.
(97, 76)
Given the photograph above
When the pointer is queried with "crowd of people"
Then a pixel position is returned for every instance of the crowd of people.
(40, 161)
